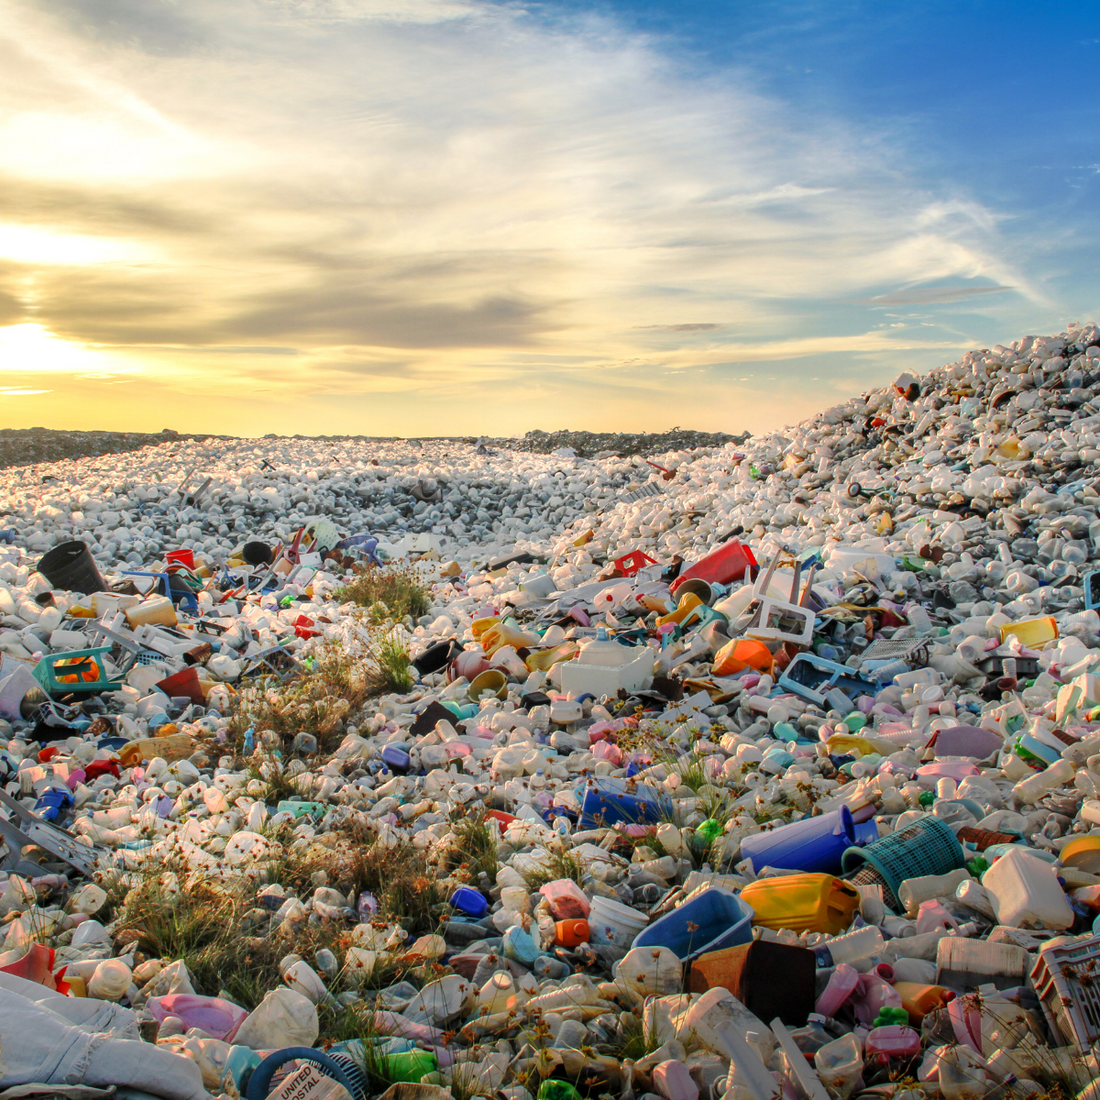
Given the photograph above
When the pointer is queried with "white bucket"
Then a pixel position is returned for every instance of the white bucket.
(615, 924)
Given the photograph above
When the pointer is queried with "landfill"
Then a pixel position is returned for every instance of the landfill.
(767, 769)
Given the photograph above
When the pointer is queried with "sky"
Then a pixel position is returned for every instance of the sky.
(453, 217)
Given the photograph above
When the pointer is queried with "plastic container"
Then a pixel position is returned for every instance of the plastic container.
(219, 1019)
(1064, 981)
(605, 666)
(726, 563)
(614, 924)
(863, 943)
(282, 1019)
(918, 1000)
(815, 844)
(892, 1041)
(842, 984)
(1024, 891)
(742, 653)
(607, 801)
(566, 899)
(469, 901)
(76, 672)
(804, 903)
(711, 920)
(70, 566)
(915, 891)
(570, 933)
(839, 1064)
(927, 847)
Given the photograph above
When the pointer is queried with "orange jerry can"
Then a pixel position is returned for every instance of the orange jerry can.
(803, 903)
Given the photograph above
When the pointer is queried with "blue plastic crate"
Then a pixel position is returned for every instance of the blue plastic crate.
(710, 921)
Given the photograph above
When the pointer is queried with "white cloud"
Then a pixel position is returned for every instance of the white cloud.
(450, 183)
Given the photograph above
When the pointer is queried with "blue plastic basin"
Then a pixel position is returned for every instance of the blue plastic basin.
(710, 921)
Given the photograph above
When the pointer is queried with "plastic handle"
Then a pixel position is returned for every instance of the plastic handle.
(260, 1080)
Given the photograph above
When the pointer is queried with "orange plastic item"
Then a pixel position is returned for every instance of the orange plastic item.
(804, 903)
(918, 1000)
(740, 654)
(89, 671)
(570, 933)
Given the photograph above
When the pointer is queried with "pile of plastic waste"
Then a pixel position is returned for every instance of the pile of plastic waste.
(760, 770)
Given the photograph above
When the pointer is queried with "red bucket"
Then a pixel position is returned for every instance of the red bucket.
(181, 557)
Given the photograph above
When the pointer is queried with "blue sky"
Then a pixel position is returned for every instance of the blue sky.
(451, 216)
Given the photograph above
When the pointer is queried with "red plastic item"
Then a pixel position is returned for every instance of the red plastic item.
(47, 753)
(37, 966)
(97, 768)
(180, 557)
(499, 815)
(728, 562)
(301, 627)
(184, 683)
(629, 564)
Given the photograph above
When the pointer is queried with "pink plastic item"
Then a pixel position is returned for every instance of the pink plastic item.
(872, 996)
(893, 1041)
(566, 899)
(609, 751)
(947, 769)
(932, 916)
(219, 1019)
(673, 1080)
(842, 984)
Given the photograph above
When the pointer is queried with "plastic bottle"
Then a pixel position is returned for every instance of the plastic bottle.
(110, 981)
(852, 947)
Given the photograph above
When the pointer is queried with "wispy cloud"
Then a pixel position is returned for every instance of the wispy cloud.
(420, 195)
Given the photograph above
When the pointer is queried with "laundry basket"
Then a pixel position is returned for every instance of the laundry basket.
(927, 847)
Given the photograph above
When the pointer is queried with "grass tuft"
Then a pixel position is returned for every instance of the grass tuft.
(390, 592)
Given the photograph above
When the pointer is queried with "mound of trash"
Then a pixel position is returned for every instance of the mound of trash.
(768, 769)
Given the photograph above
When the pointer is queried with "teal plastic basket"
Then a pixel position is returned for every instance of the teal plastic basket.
(927, 847)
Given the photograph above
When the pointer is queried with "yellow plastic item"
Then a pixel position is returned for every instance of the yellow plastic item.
(583, 540)
(479, 626)
(804, 903)
(655, 603)
(501, 634)
(1083, 853)
(78, 612)
(686, 605)
(173, 747)
(544, 659)
(843, 744)
(1033, 633)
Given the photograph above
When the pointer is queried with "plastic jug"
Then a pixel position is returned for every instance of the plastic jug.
(804, 903)
(918, 1000)
(282, 1019)
(863, 943)
(814, 844)
(892, 1041)
(1024, 891)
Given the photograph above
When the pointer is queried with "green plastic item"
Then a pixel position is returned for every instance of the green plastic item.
(409, 1066)
(977, 866)
(926, 798)
(855, 721)
(707, 832)
(887, 1016)
(301, 809)
(553, 1089)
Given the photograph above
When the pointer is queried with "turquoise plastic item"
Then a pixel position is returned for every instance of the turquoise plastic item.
(75, 663)
(301, 809)
(927, 847)
(710, 921)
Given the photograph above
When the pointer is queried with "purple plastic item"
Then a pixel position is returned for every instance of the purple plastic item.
(219, 1019)
(975, 742)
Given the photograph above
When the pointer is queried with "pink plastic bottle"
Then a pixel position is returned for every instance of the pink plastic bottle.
(219, 1019)
(892, 1041)
(842, 984)
(566, 899)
